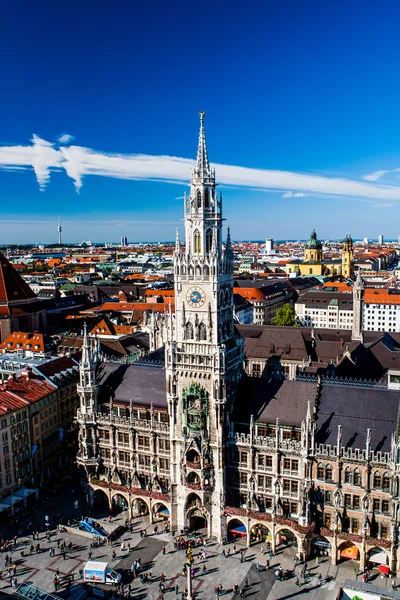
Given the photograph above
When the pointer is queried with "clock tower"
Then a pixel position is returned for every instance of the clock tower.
(203, 357)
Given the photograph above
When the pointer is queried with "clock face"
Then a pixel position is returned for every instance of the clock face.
(195, 297)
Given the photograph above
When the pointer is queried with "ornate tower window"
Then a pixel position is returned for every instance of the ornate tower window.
(198, 199)
(197, 242)
(202, 332)
(189, 331)
(208, 240)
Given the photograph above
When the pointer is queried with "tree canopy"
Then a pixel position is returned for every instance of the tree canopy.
(286, 316)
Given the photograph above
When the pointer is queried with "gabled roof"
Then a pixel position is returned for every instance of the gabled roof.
(26, 341)
(12, 287)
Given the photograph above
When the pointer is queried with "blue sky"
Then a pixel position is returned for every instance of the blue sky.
(303, 95)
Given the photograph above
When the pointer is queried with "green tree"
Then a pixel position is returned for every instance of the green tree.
(285, 316)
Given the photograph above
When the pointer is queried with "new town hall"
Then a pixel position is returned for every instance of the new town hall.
(199, 436)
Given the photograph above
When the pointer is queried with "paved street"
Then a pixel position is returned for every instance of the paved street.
(40, 568)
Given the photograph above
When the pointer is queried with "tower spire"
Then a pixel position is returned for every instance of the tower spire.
(177, 242)
(202, 163)
(85, 347)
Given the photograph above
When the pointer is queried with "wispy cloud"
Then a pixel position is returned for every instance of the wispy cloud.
(77, 161)
(375, 176)
(383, 205)
(65, 138)
(294, 195)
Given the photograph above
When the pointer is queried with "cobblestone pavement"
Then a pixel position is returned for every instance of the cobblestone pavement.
(40, 568)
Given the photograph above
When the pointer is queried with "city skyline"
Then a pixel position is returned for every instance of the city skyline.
(300, 122)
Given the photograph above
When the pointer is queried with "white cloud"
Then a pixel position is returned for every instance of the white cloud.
(78, 161)
(65, 138)
(375, 176)
(383, 205)
(294, 195)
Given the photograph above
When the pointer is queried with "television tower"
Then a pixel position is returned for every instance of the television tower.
(59, 230)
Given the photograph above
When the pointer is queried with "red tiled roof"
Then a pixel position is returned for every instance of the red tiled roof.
(12, 286)
(30, 389)
(27, 341)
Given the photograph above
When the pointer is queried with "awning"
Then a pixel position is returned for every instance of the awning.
(11, 500)
(24, 492)
(380, 558)
(239, 530)
(3, 506)
(164, 511)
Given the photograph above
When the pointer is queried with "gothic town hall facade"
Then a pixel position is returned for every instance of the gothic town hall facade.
(196, 439)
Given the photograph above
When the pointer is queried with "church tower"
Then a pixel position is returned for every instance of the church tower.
(203, 356)
(358, 297)
(347, 257)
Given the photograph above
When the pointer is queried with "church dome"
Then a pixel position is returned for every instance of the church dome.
(313, 243)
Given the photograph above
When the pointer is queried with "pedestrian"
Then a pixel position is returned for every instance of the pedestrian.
(163, 550)
(63, 555)
(58, 543)
(297, 582)
(114, 555)
(246, 582)
(176, 589)
(81, 573)
(242, 594)
(316, 560)
(90, 555)
(267, 564)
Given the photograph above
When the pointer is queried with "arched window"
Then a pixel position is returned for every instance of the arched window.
(377, 479)
(189, 331)
(206, 272)
(183, 271)
(385, 481)
(197, 242)
(208, 240)
(357, 477)
(312, 256)
(198, 195)
(207, 198)
(227, 296)
(328, 473)
(320, 471)
(202, 332)
(198, 271)
(348, 475)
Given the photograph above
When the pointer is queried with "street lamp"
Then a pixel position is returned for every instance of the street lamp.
(189, 557)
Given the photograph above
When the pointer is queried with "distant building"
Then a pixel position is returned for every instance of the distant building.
(269, 246)
(325, 309)
(124, 241)
(380, 240)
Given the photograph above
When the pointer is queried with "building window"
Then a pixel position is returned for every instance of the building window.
(384, 532)
(377, 479)
(355, 525)
(385, 506)
(386, 482)
(320, 471)
(327, 520)
(356, 501)
(243, 458)
(256, 370)
(328, 473)
(347, 500)
(376, 504)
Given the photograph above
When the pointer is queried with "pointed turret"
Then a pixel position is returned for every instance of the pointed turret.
(177, 242)
(86, 352)
(202, 168)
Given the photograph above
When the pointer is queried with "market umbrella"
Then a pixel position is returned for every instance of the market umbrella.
(384, 569)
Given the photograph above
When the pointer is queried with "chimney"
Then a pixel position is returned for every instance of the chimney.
(26, 373)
